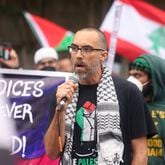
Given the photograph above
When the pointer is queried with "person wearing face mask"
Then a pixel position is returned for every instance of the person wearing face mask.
(46, 58)
(148, 73)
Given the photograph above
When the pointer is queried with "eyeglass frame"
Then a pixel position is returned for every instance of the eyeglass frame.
(81, 49)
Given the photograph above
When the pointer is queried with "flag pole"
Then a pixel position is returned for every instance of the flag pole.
(114, 35)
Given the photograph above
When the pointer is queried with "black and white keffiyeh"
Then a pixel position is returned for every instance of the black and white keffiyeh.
(109, 136)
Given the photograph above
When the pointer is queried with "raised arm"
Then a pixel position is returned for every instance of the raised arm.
(55, 136)
(12, 62)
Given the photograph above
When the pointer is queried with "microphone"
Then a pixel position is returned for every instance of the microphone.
(74, 79)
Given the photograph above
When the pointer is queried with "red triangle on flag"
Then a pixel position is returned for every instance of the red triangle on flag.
(49, 33)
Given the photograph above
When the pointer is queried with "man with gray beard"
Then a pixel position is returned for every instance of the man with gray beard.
(101, 119)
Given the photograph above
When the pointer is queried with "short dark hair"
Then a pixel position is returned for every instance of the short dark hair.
(103, 41)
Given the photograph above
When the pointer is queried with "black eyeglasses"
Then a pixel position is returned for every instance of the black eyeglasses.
(86, 49)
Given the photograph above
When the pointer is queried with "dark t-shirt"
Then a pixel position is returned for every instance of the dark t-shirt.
(135, 119)
(84, 149)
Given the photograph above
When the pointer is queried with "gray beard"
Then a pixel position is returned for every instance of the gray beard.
(86, 75)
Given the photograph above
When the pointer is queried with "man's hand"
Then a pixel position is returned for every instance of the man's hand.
(12, 62)
(67, 90)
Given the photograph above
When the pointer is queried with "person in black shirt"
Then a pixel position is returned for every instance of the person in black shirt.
(104, 119)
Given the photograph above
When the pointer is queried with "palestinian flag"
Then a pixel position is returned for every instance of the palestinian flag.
(142, 29)
(48, 33)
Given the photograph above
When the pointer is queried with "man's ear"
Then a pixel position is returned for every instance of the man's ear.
(104, 56)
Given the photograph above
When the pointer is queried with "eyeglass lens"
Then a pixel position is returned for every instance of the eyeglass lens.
(84, 49)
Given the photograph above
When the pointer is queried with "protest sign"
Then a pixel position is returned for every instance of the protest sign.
(30, 97)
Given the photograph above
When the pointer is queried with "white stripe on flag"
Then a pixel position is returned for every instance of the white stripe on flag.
(136, 29)
(114, 35)
(36, 29)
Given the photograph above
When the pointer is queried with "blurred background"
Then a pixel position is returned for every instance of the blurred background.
(70, 14)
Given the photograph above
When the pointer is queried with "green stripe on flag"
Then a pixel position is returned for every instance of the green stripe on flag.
(66, 41)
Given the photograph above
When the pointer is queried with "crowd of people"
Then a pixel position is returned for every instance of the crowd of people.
(45, 58)
(101, 118)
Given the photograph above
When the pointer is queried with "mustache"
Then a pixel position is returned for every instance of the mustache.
(79, 62)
